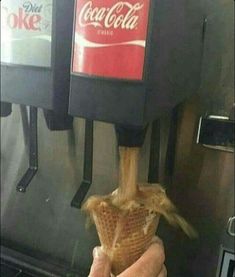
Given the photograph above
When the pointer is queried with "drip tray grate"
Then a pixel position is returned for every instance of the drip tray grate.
(17, 264)
(12, 271)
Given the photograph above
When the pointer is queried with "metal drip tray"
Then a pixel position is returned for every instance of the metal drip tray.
(11, 271)
(17, 264)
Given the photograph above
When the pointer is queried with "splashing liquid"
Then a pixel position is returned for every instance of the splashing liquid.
(126, 220)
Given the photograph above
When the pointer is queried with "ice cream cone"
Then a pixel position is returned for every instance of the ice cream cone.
(127, 219)
(126, 235)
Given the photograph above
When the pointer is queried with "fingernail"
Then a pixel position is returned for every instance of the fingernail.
(157, 240)
(97, 253)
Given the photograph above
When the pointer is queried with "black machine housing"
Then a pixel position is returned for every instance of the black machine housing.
(45, 87)
(171, 71)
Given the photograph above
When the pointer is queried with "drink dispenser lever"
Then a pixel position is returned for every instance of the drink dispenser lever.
(87, 166)
(33, 152)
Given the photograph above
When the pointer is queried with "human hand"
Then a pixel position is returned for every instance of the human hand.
(150, 264)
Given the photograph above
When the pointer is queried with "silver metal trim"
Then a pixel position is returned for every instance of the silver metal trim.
(231, 223)
(199, 129)
(223, 250)
(221, 148)
(218, 117)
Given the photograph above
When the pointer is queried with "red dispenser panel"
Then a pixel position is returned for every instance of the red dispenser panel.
(110, 38)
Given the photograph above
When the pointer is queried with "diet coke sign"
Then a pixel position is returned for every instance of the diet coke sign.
(110, 38)
(26, 32)
(27, 17)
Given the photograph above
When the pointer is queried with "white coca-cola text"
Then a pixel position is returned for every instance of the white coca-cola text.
(122, 15)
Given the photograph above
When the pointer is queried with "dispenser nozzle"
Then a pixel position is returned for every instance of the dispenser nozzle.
(130, 136)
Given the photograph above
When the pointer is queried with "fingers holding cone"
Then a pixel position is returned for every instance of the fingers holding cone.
(150, 264)
(101, 266)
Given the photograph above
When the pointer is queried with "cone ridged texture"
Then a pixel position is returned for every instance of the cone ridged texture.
(124, 236)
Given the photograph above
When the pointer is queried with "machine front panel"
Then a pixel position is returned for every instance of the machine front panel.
(110, 38)
(26, 28)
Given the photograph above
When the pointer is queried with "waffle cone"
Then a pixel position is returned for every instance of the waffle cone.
(124, 235)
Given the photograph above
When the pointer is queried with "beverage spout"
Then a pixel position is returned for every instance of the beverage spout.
(130, 136)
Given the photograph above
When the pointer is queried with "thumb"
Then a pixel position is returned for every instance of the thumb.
(101, 264)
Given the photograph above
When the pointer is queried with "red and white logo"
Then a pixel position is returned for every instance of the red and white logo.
(26, 27)
(110, 38)
(28, 16)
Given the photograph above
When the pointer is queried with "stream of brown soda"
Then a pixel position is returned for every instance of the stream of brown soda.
(126, 220)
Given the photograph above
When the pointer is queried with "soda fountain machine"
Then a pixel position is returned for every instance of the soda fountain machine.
(135, 69)
(132, 62)
(35, 67)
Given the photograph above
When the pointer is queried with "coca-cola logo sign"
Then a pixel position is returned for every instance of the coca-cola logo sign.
(28, 15)
(109, 34)
(122, 15)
